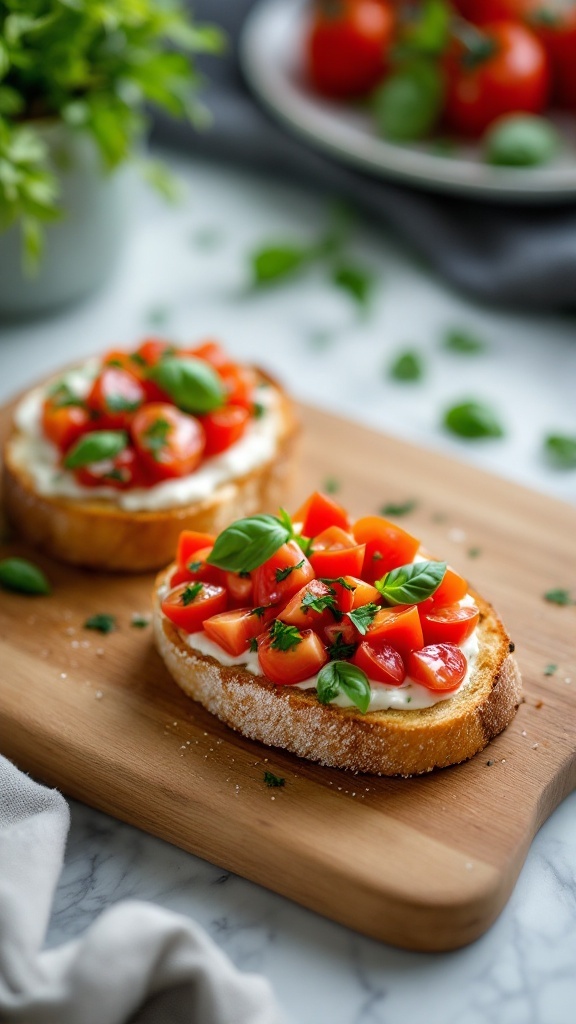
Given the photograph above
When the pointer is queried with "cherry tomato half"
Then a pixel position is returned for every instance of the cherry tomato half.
(450, 625)
(224, 427)
(294, 665)
(198, 568)
(188, 607)
(347, 46)
(381, 662)
(114, 398)
(439, 667)
(169, 442)
(64, 424)
(189, 542)
(513, 76)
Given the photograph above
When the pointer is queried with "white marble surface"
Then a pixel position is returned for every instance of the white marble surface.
(189, 264)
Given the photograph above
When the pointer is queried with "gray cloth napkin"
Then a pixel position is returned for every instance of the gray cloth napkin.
(507, 254)
(136, 963)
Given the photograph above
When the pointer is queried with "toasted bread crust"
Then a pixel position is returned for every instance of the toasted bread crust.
(98, 534)
(380, 742)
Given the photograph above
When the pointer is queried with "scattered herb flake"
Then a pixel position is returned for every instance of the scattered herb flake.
(463, 341)
(158, 316)
(550, 670)
(259, 612)
(283, 574)
(311, 602)
(407, 366)
(140, 621)
(400, 509)
(356, 281)
(284, 637)
(339, 650)
(21, 576)
(101, 622)
(274, 781)
(331, 485)
(194, 566)
(362, 616)
(474, 552)
(253, 645)
(558, 596)
(155, 437)
(191, 593)
(472, 420)
(277, 262)
(258, 410)
(560, 451)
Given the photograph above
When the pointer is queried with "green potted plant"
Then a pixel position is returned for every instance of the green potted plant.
(76, 79)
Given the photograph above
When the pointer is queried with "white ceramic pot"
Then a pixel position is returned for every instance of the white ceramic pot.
(82, 247)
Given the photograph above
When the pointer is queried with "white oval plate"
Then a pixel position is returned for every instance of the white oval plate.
(270, 52)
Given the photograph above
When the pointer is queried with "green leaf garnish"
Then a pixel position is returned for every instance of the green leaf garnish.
(474, 552)
(253, 645)
(155, 437)
(561, 450)
(331, 485)
(412, 583)
(362, 616)
(409, 102)
(274, 781)
(329, 580)
(191, 593)
(463, 342)
(342, 677)
(192, 383)
(22, 576)
(521, 140)
(558, 596)
(140, 621)
(357, 282)
(277, 262)
(408, 366)
(339, 650)
(283, 574)
(95, 447)
(284, 637)
(400, 509)
(119, 403)
(62, 396)
(101, 623)
(194, 566)
(473, 420)
(314, 603)
(550, 670)
(248, 543)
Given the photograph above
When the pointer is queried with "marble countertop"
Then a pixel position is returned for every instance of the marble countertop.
(185, 273)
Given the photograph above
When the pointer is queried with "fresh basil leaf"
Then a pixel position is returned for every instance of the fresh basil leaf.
(248, 543)
(276, 262)
(412, 583)
(521, 140)
(473, 420)
(462, 342)
(22, 576)
(559, 596)
(408, 104)
(357, 282)
(101, 623)
(427, 29)
(342, 677)
(362, 616)
(561, 451)
(119, 403)
(191, 383)
(407, 366)
(95, 447)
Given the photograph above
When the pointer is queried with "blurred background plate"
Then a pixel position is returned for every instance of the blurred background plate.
(270, 54)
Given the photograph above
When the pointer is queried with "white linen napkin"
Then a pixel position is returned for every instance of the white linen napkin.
(136, 963)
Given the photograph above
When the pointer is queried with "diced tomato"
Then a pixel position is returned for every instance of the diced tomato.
(211, 352)
(450, 625)
(121, 360)
(239, 383)
(198, 568)
(233, 630)
(399, 626)
(299, 613)
(452, 589)
(114, 398)
(278, 579)
(362, 592)
(318, 513)
(224, 427)
(292, 666)
(189, 542)
(381, 662)
(387, 546)
(240, 589)
(152, 350)
(341, 632)
(439, 667)
(170, 442)
(335, 553)
(64, 424)
(188, 610)
(124, 471)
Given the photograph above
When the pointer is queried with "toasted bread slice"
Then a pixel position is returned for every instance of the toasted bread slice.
(98, 534)
(380, 742)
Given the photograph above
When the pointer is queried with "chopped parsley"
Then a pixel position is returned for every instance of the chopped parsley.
(259, 612)
(407, 366)
(191, 593)
(314, 603)
(340, 650)
(400, 509)
(155, 437)
(284, 637)
(283, 574)
(101, 622)
(362, 616)
(377, 556)
(463, 342)
(194, 566)
(550, 670)
(138, 359)
(558, 596)
(331, 485)
(253, 645)
(62, 396)
(140, 621)
(474, 552)
(329, 580)
(274, 781)
(258, 410)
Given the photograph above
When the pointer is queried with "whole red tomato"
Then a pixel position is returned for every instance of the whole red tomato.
(347, 46)
(510, 76)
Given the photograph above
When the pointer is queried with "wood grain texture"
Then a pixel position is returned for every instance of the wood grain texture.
(425, 863)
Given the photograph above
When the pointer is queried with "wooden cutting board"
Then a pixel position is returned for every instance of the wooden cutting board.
(425, 863)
